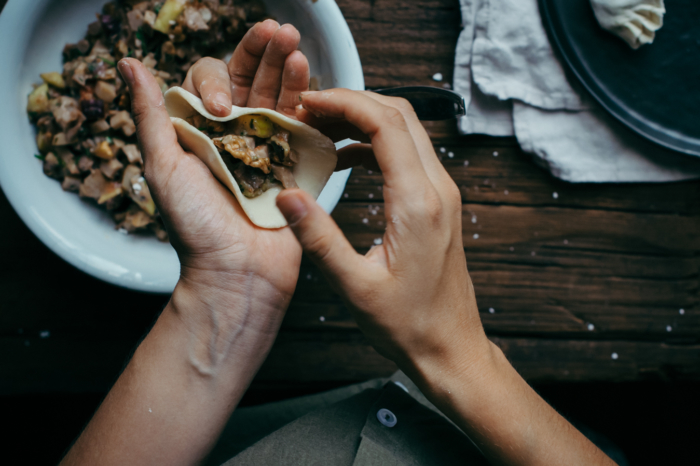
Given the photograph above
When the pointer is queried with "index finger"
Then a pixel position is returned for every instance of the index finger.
(396, 152)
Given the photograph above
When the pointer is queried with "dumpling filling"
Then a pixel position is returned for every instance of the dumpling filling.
(255, 150)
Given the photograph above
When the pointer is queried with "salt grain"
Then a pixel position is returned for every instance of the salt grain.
(533, 253)
(443, 150)
(566, 241)
(614, 356)
(44, 334)
(511, 249)
(451, 155)
(506, 192)
(369, 172)
(669, 328)
(492, 310)
(591, 327)
(495, 153)
(308, 276)
(346, 195)
(365, 221)
(394, 219)
(466, 163)
(322, 319)
(378, 241)
(473, 218)
(437, 77)
(681, 311)
(476, 235)
(150, 410)
(555, 195)
(371, 196)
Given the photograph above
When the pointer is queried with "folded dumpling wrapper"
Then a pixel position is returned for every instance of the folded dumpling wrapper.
(317, 154)
(635, 21)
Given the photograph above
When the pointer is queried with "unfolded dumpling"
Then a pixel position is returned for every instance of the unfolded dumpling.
(635, 21)
(315, 154)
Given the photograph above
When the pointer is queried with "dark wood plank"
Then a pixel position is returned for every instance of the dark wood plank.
(92, 364)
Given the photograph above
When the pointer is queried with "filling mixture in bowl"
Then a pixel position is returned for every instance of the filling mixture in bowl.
(85, 130)
(255, 150)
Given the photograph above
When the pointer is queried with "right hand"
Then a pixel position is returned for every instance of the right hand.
(411, 296)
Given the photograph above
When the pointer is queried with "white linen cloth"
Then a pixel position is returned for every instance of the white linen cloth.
(514, 84)
(635, 21)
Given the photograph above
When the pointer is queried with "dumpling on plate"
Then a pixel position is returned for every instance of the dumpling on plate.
(635, 21)
(254, 152)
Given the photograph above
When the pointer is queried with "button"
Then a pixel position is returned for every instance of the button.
(386, 417)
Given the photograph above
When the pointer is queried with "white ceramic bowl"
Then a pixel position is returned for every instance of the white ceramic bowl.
(32, 36)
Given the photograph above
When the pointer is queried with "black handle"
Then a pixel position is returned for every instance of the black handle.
(430, 103)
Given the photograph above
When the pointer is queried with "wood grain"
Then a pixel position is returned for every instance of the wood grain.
(565, 275)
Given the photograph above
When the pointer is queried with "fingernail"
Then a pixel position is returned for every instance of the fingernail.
(292, 207)
(222, 103)
(126, 71)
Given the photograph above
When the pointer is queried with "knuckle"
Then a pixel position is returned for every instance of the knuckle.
(393, 116)
(404, 106)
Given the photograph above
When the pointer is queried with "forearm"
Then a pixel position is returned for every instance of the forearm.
(505, 417)
(176, 394)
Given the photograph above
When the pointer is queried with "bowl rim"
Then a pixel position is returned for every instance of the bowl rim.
(19, 11)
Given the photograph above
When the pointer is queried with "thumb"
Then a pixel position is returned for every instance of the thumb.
(153, 126)
(320, 236)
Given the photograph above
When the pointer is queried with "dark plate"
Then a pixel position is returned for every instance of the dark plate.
(654, 90)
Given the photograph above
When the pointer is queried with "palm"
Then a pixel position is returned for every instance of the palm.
(208, 222)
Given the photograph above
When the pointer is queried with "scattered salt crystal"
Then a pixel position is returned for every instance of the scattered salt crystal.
(378, 241)
(308, 276)
(322, 319)
(369, 172)
(365, 221)
(346, 195)
(591, 327)
(371, 196)
(443, 150)
(614, 356)
(492, 310)
(555, 195)
(466, 163)
(437, 77)
(506, 192)
(44, 334)
(495, 153)
(511, 249)
(394, 219)
(150, 410)
(451, 155)
(136, 187)
(669, 328)
(476, 235)
(379, 188)
(681, 311)
(473, 218)
(447, 86)
(566, 241)
(533, 253)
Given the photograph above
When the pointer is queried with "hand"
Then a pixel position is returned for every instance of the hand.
(222, 254)
(411, 296)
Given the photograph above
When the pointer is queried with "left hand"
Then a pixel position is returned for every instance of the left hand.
(226, 261)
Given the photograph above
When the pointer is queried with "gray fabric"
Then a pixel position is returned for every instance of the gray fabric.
(329, 436)
(248, 425)
(349, 433)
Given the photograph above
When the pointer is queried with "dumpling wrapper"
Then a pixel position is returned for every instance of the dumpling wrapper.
(635, 21)
(317, 154)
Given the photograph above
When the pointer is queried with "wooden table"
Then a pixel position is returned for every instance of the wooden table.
(574, 282)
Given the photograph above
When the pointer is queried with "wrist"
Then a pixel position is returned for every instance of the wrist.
(229, 317)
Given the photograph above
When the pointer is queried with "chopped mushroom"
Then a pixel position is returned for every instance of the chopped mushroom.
(68, 160)
(100, 126)
(103, 151)
(105, 91)
(52, 167)
(239, 148)
(71, 183)
(110, 168)
(132, 153)
(93, 185)
(284, 175)
(122, 120)
(194, 18)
